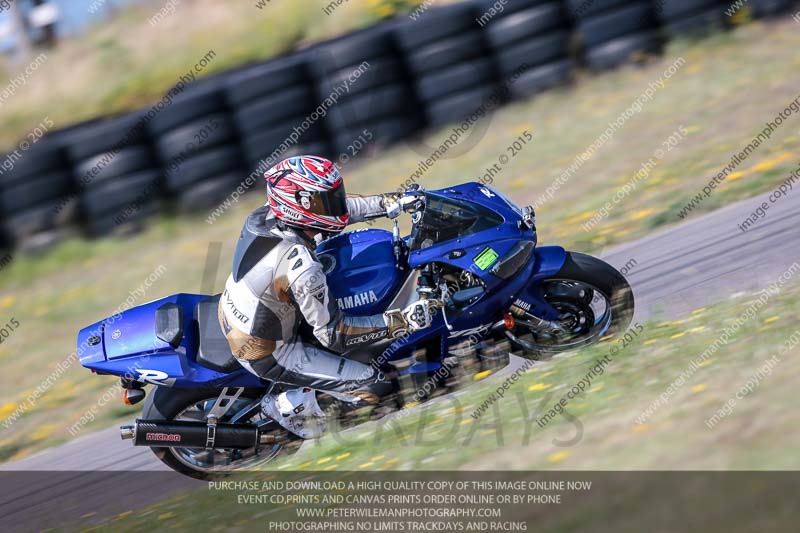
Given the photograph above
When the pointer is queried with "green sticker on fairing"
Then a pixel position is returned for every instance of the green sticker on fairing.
(486, 258)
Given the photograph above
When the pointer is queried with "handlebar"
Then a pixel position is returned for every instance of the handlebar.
(412, 201)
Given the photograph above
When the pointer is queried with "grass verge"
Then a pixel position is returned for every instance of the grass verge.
(602, 432)
(730, 85)
(132, 59)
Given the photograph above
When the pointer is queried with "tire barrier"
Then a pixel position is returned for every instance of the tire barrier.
(112, 162)
(533, 37)
(450, 60)
(198, 145)
(36, 193)
(374, 103)
(271, 106)
(768, 8)
(342, 98)
(694, 18)
(614, 32)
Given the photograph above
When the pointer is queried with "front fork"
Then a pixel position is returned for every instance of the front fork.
(530, 303)
(530, 308)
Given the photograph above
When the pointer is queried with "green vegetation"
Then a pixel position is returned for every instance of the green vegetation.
(125, 63)
(759, 433)
(730, 85)
(608, 436)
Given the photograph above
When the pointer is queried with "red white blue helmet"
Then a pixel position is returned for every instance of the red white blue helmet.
(308, 192)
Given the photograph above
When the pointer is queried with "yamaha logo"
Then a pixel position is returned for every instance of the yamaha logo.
(116, 334)
(522, 304)
(357, 300)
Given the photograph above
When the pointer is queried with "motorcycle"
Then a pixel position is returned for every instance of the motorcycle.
(470, 247)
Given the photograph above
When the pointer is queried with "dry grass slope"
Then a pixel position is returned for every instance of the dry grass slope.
(729, 87)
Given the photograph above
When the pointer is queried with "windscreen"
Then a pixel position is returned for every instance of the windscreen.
(447, 218)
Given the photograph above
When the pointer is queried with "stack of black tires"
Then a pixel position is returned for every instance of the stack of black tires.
(272, 104)
(691, 17)
(530, 44)
(341, 99)
(116, 176)
(198, 146)
(449, 58)
(766, 8)
(613, 32)
(374, 105)
(35, 193)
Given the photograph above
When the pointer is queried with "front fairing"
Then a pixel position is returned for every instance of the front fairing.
(475, 252)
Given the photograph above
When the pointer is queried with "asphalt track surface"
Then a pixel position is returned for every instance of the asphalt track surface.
(690, 265)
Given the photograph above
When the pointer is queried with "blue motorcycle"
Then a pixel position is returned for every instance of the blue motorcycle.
(470, 247)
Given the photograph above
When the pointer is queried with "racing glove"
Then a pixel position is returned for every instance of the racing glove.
(396, 203)
(415, 317)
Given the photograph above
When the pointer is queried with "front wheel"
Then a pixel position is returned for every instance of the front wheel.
(593, 301)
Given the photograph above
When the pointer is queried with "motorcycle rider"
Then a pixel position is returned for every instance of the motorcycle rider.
(277, 281)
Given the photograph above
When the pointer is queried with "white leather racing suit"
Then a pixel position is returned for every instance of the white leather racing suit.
(276, 283)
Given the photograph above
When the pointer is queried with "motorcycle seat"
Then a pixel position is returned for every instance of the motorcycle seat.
(214, 351)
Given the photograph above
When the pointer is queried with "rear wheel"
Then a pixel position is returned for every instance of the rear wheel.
(194, 405)
(593, 300)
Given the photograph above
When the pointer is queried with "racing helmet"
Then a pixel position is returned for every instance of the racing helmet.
(307, 192)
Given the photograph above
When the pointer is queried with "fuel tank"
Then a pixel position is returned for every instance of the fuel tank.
(361, 270)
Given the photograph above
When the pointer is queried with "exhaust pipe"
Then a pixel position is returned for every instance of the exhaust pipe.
(185, 434)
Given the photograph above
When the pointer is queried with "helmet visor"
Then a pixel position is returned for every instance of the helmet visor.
(327, 203)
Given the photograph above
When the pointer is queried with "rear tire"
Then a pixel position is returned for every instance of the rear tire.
(165, 403)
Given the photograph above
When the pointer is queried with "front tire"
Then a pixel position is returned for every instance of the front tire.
(599, 274)
(594, 301)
